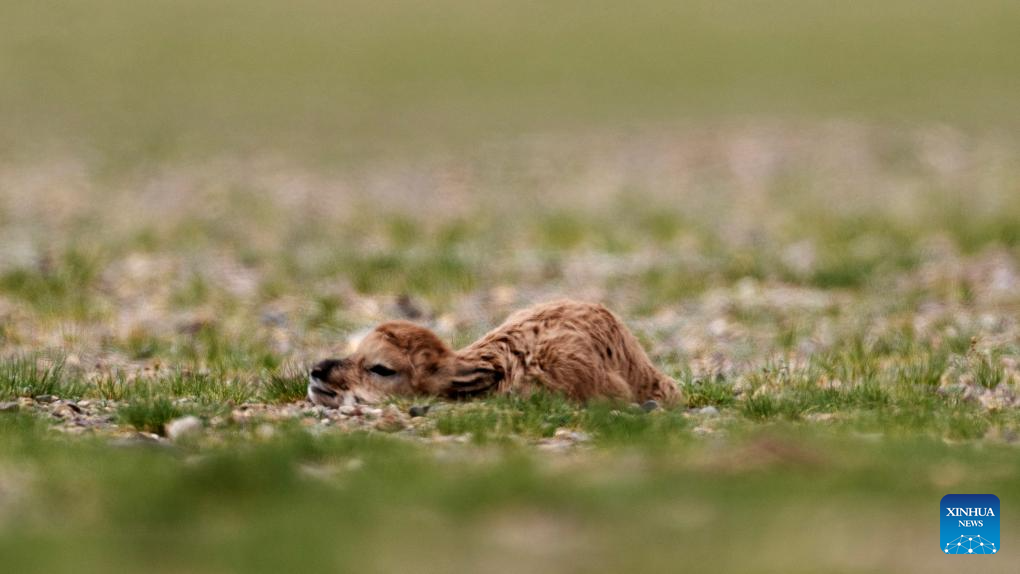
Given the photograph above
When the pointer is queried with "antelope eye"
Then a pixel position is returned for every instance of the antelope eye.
(382, 370)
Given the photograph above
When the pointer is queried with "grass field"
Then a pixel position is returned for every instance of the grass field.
(810, 215)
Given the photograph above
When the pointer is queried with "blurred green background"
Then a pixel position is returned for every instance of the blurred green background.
(329, 78)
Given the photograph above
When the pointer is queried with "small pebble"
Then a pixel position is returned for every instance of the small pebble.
(571, 435)
(391, 420)
(184, 428)
(371, 413)
(649, 406)
(65, 411)
(709, 411)
(44, 398)
(419, 410)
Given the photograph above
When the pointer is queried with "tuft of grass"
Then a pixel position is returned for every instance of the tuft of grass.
(926, 370)
(211, 347)
(216, 387)
(479, 421)
(113, 386)
(538, 414)
(23, 377)
(760, 407)
(149, 414)
(714, 391)
(534, 416)
(283, 387)
(868, 396)
(792, 393)
(853, 362)
(210, 389)
(611, 424)
(988, 370)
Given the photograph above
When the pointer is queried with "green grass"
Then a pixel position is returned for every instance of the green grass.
(214, 388)
(987, 369)
(713, 391)
(302, 502)
(284, 387)
(150, 413)
(61, 287)
(535, 416)
(618, 425)
(925, 370)
(510, 419)
(435, 274)
(209, 346)
(25, 377)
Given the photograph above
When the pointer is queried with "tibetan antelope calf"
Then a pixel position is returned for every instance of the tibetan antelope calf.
(581, 350)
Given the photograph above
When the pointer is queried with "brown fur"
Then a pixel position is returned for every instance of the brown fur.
(581, 350)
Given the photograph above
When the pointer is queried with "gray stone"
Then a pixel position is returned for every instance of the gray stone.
(184, 428)
(649, 406)
(709, 411)
(65, 411)
(370, 412)
(44, 398)
(10, 407)
(419, 410)
(571, 435)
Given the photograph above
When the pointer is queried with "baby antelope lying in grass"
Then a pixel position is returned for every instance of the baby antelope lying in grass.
(581, 350)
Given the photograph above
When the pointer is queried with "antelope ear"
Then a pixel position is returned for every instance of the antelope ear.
(473, 380)
(430, 368)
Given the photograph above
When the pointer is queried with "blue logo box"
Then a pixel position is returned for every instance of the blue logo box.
(970, 524)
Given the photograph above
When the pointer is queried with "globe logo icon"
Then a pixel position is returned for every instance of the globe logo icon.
(970, 545)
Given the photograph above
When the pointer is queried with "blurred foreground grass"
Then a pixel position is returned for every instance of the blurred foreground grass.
(779, 500)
